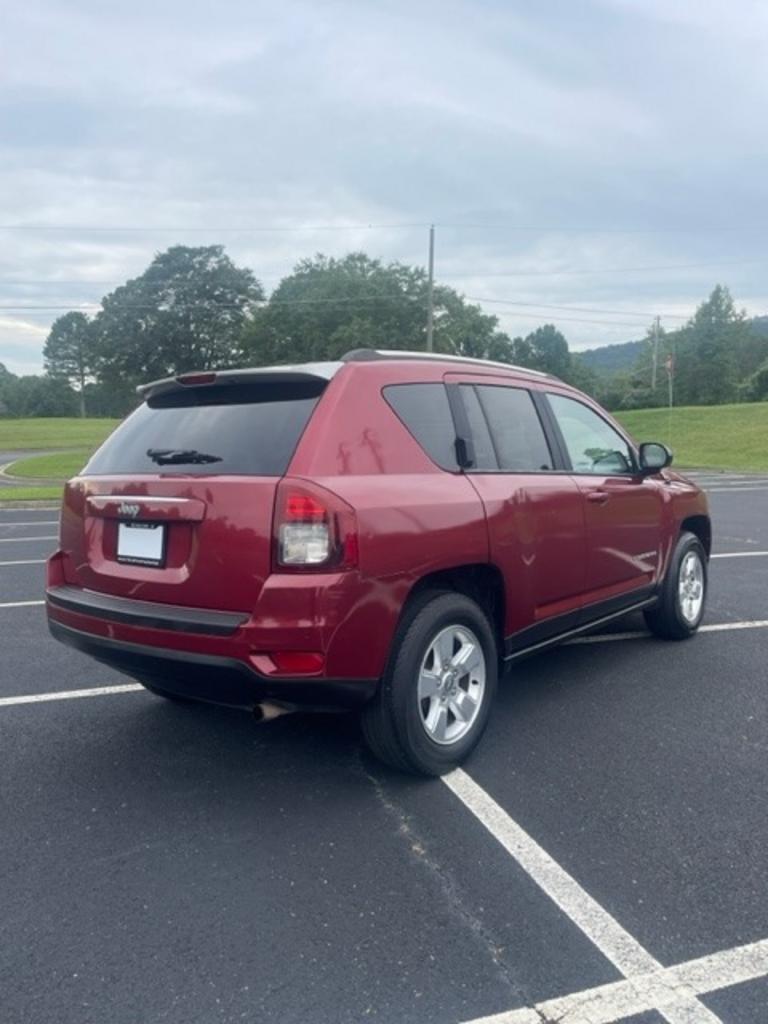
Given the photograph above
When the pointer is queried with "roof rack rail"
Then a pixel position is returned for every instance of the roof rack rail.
(365, 355)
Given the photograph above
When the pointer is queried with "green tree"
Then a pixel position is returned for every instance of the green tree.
(707, 350)
(328, 306)
(549, 350)
(187, 311)
(68, 352)
(6, 380)
(38, 396)
(546, 349)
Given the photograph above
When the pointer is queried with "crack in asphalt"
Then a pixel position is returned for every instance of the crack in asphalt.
(456, 899)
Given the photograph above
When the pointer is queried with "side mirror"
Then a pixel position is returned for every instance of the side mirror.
(654, 457)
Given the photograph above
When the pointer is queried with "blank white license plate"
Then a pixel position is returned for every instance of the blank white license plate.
(141, 543)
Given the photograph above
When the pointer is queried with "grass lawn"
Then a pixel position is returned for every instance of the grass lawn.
(713, 437)
(55, 467)
(29, 493)
(54, 433)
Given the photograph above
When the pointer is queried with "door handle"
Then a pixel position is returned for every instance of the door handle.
(598, 497)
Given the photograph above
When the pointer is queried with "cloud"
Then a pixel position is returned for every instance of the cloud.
(555, 145)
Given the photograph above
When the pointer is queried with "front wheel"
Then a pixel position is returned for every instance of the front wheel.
(683, 593)
(435, 698)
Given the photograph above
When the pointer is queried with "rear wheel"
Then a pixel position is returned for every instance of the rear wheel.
(435, 698)
(683, 594)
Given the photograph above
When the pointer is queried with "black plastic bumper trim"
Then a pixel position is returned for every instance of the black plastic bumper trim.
(146, 613)
(211, 678)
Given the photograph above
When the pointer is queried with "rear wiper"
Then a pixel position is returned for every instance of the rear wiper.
(179, 456)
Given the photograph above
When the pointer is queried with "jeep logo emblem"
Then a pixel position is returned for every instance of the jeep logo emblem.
(129, 510)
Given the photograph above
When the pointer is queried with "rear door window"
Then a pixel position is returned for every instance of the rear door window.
(249, 429)
(506, 429)
(425, 411)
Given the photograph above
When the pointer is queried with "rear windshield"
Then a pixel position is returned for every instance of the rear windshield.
(248, 429)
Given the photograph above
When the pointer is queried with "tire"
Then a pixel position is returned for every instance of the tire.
(419, 722)
(683, 595)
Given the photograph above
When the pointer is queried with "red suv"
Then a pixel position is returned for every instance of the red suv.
(385, 532)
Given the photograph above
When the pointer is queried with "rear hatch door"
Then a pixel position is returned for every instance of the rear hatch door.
(177, 505)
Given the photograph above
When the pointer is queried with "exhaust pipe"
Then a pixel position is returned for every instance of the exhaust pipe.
(267, 711)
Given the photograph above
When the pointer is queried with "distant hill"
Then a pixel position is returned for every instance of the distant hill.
(611, 359)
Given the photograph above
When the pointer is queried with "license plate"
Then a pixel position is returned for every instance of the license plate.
(141, 543)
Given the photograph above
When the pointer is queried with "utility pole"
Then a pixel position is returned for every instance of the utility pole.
(655, 352)
(431, 288)
(671, 386)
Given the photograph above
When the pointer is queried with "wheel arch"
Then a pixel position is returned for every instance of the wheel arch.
(701, 527)
(481, 581)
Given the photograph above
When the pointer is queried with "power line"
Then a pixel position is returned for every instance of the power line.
(218, 229)
(576, 309)
(604, 270)
(37, 310)
(55, 282)
(368, 226)
(586, 230)
(575, 320)
(89, 307)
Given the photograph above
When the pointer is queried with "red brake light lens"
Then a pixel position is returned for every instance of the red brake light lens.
(301, 508)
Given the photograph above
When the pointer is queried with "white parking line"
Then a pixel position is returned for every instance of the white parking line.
(658, 990)
(732, 490)
(20, 604)
(35, 522)
(26, 561)
(29, 508)
(96, 691)
(20, 540)
(600, 927)
(740, 554)
(640, 634)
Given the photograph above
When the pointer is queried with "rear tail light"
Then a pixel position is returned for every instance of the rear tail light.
(313, 529)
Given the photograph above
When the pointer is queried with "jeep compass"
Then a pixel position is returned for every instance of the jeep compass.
(387, 532)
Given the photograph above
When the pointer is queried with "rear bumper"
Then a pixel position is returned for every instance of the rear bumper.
(195, 653)
(212, 678)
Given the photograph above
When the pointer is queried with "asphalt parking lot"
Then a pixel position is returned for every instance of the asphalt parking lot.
(602, 856)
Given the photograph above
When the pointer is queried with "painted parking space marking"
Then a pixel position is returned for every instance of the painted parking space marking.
(20, 540)
(602, 929)
(21, 604)
(25, 561)
(732, 490)
(658, 990)
(27, 511)
(740, 554)
(640, 634)
(31, 522)
(94, 691)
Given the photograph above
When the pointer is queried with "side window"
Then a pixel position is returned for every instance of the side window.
(425, 411)
(484, 452)
(512, 427)
(593, 445)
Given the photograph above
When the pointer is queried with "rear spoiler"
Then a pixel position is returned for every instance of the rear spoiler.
(304, 373)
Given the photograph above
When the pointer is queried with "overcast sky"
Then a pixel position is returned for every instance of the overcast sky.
(601, 154)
